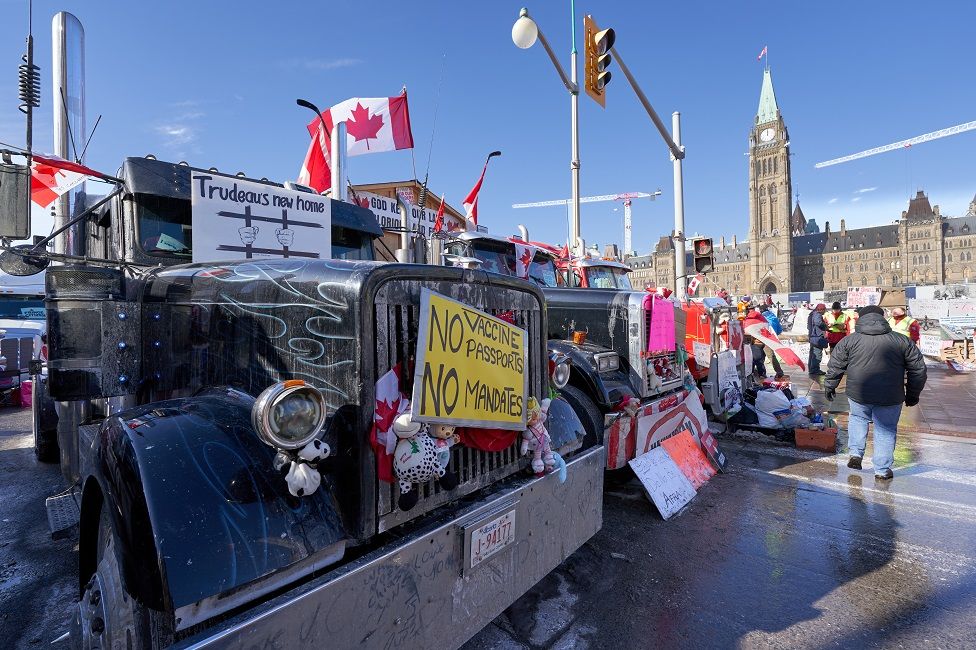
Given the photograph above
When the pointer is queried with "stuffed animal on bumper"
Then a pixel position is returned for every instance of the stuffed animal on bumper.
(415, 459)
(301, 468)
(536, 440)
(445, 438)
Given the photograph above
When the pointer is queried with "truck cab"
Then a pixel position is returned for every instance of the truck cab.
(232, 458)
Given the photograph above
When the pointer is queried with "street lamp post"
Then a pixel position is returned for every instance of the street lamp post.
(525, 32)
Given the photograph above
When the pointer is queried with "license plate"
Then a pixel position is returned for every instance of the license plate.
(491, 537)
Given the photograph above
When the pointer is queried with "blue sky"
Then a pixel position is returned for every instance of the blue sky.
(215, 83)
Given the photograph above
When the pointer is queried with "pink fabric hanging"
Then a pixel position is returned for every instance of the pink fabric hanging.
(660, 335)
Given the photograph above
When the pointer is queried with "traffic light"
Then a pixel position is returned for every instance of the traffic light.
(704, 255)
(596, 59)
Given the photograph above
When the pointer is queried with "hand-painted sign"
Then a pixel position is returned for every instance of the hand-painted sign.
(388, 215)
(472, 368)
(239, 219)
(703, 354)
(863, 296)
(689, 457)
(667, 487)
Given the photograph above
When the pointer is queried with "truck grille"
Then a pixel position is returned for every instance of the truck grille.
(395, 321)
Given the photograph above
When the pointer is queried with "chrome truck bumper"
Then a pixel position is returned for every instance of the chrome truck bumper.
(423, 591)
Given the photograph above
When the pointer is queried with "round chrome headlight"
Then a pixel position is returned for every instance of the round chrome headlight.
(289, 414)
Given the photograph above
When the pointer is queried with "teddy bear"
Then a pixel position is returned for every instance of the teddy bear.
(301, 468)
(535, 438)
(416, 459)
(444, 438)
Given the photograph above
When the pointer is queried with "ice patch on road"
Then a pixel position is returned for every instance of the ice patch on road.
(17, 442)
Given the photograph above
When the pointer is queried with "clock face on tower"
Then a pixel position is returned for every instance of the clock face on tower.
(767, 135)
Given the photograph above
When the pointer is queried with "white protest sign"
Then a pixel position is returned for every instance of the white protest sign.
(703, 354)
(863, 296)
(388, 213)
(931, 346)
(667, 487)
(239, 219)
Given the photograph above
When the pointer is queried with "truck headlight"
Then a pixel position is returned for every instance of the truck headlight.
(606, 361)
(559, 369)
(289, 414)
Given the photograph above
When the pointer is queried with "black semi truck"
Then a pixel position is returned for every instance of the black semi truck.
(182, 388)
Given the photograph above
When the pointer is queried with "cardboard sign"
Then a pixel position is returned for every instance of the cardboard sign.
(712, 450)
(729, 386)
(690, 459)
(472, 368)
(388, 213)
(666, 486)
(238, 219)
(703, 354)
(931, 346)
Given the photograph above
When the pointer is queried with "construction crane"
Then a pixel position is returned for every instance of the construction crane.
(926, 137)
(626, 197)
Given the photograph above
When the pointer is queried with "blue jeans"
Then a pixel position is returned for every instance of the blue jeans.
(885, 420)
(813, 361)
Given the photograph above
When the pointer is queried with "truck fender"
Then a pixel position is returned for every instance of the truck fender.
(200, 509)
(582, 373)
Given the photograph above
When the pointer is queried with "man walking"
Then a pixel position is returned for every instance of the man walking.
(876, 361)
(815, 332)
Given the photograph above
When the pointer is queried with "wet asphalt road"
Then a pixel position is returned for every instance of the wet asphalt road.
(788, 549)
(38, 576)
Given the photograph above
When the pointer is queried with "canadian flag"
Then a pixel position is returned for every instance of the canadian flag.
(470, 202)
(439, 219)
(52, 176)
(390, 403)
(373, 124)
(523, 259)
(758, 328)
(693, 284)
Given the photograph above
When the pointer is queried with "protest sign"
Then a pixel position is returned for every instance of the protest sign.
(667, 487)
(690, 459)
(863, 296)
(667, 416)
(388, 214)
(237, 219)
(472, 368)
(703, 354)
(931, 346)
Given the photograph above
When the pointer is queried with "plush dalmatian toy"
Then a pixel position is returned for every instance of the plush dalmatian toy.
(301, 470)
(417, 459)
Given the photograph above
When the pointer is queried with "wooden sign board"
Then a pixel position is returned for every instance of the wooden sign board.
(666, 486)
(690, 459)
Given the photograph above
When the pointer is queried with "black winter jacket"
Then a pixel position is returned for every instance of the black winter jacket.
(876, 361)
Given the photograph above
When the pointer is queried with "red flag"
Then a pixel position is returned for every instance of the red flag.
(762, 54)
(470, 202)
(758, 328)
(373, 124)
(439, 219)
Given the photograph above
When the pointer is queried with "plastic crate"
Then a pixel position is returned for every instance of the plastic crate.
(817, 439)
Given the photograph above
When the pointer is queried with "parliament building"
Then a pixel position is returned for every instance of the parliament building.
(784, 253)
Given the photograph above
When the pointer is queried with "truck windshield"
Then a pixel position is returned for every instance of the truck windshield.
(164, 225)
(22, 307)
(499, 257)
(606, 277)
(348, 244)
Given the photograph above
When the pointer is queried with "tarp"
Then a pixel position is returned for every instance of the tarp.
(893, 298)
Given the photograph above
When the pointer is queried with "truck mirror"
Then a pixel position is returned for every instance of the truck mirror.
(14, 205)
(21, 261)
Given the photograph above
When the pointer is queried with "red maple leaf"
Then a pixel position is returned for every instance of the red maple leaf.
(361, 126)
(385, 414)
(526, 258)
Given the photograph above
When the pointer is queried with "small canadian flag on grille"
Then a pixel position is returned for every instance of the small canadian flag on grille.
(693, 284)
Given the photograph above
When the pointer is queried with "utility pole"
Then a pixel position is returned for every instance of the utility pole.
(680, 274)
